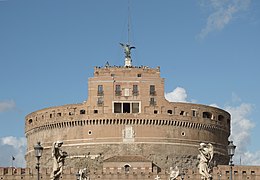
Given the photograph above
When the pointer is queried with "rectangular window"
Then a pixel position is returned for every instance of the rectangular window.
(135, 90)
(152, 102)
(100, 101)
(152, 90)
(194, 113)
(100, 90)
(118, 90)
(126, 107)
(135, 107)
(117, 108)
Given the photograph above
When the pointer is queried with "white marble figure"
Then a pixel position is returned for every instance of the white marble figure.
(58, 160)
(174, 173)
(83, 174)
(205, 157)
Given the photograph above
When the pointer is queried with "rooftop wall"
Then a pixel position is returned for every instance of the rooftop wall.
(220, 172)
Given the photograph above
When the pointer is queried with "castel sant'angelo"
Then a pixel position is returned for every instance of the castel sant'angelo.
(126, 129)
(127, 118)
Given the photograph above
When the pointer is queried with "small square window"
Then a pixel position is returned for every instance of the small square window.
(95, 111)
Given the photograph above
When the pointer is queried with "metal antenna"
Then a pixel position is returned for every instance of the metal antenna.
(128, 24)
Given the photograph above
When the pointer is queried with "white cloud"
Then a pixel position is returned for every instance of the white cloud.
(241, 132)
(250, 158)
(177, 95)
(12, 146)
(223, 13)
(7, 105)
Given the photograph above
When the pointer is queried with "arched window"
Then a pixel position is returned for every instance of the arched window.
(220, 117)
(207, 115)
(127, 168)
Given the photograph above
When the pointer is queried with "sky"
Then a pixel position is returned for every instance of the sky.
(208, 52)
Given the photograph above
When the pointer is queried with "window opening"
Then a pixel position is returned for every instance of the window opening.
(152, 102)
(118, 90)
(135, 107)
(135, 90)
(220, 118)
(82, 111)
(127, 168)
(194, 113)
(207, 115)
(126, 107)
(155, 112)
(169, 111)
(152, 90)
(95, 111)
(117, 108)
(89, 132)
(100, 101)
(182, 113)
(100, 90)
(139, 75)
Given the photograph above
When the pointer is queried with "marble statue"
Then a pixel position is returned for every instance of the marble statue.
(205, 156)
(83, 174)
(58, 160)
(174, 173)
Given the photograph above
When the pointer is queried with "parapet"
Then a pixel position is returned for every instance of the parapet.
(219, 172)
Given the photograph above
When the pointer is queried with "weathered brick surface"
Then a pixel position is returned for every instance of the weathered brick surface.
(167, 133)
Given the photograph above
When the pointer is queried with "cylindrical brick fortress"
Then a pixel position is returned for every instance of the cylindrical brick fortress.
(126, 114)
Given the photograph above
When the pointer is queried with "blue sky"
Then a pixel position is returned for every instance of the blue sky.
(208, 51)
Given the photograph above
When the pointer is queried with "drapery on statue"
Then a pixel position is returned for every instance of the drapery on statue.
(174, 173)
(205, 157)
(127, 49)
(83, 174)
(58, 160)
